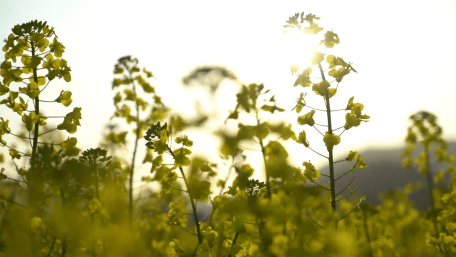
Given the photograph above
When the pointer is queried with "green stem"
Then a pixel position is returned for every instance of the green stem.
(64, 240)
(195, 215)
(37, 112)
(52, 248)
(330, 159)
(268, 188)
(234, 242)
(430, 183)
(133, 159)
(367, 232)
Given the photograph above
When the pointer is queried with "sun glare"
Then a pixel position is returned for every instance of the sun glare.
(298, 48)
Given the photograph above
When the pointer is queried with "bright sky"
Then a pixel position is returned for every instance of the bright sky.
(404, 53)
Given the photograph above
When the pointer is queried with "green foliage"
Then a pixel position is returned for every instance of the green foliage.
(73, 203)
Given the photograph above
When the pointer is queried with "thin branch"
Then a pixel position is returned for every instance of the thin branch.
(45, 86)
(314, 220)
(318, 130)
(234, 242)
(321, 186)
(334, 90)
(207, 216)
(321, 125)
(341, 191)
(348, 194)
(338, 128)
(18, 151)
(44, 143)
(223, 237)
(315, 108)
(30, 140)
(342, 132)
(349, 212)
(51, 248)
(340, 161)
(44, 201)
(16, 180)
(179, 189)
(11, 201)
(342, 175)
(18, 135)
(53, 117)
(246, 148)
(187, 230)
(47, 132)
(251, 223)
(317, 152)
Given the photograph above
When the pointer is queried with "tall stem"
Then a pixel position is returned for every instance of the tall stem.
(430, 186)
(330, 160)
(234, 242)
(268, 188)
(366, 230)
(132, 170)
(37, 112)
(64, 207)
(430, 183)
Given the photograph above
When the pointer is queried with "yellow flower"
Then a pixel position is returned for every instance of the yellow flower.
(351, 156)
(331, 140)
(310, 172)
(359, 164)
(302, 139)
(307, 119)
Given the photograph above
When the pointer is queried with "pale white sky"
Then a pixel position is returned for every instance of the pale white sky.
(404, 53)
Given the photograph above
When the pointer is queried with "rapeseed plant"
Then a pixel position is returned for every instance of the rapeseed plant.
(83, 206)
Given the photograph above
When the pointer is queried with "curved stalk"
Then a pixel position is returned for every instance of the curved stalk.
(195, 215)
(234, 241)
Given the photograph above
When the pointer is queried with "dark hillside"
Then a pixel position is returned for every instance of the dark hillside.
(384, 172)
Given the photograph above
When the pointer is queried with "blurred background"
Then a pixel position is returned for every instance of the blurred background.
(201, 52)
